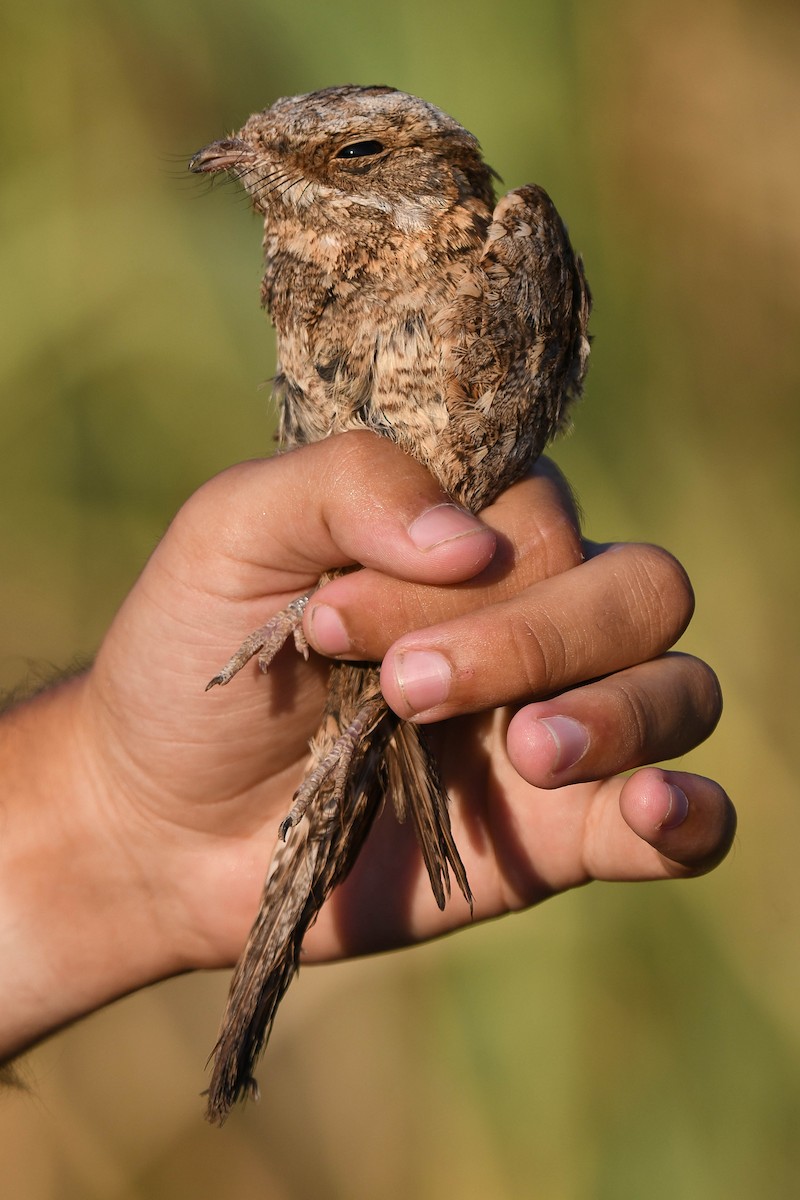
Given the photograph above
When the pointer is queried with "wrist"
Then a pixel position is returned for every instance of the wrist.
(77, 929)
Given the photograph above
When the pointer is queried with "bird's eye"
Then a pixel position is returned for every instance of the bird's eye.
(360, 149)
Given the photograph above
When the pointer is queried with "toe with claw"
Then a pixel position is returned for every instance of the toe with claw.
(267, 641)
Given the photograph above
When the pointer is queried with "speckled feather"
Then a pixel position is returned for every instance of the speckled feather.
(405, 304)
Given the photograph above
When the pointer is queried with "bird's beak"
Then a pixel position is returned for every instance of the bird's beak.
(221, 156)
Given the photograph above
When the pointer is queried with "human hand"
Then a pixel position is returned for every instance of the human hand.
(582, 629)
(168, 799)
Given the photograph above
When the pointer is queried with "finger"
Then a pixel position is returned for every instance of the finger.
(653, 711)
(654, 825)
(673, 824)
(356, 498)
(621, 608)
(358, 616)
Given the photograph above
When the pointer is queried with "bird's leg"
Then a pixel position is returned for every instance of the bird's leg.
(267, 641)
(336, 762)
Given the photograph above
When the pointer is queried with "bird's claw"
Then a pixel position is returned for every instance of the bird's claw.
(335, 763)
(267, 641)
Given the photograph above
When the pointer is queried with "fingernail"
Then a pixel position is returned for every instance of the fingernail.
(571, 739)
(678, 809)
(327, 630)
(424, 678)
(444, 523)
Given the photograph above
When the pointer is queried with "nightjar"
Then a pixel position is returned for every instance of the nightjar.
(406, 303)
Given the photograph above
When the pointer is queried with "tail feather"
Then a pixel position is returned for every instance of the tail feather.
(415, 787)
(392, 760)
(264, 971)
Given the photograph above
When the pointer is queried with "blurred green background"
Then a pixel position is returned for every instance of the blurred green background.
(619, 1042)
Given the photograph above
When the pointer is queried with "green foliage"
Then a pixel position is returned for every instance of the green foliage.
(620, 1042)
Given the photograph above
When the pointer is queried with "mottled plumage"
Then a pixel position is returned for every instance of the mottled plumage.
(403, 303)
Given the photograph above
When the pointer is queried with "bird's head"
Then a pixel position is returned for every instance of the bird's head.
(349, 149)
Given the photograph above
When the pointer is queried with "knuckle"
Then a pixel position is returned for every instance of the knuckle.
(344, 459)
(663, 592)
(557, 529)
(539, 651)
(635, 717)
(562, 544)
(373, 476)
(539, 520)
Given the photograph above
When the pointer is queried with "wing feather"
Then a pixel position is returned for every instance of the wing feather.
(514, 345)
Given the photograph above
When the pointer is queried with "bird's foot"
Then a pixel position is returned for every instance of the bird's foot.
(336, 764)
(268, 640)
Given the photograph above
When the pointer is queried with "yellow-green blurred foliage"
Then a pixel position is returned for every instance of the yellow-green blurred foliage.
(620, 1042)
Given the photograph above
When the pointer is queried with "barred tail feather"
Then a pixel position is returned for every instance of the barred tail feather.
(415, 787)
(392, 759)
(317, 856)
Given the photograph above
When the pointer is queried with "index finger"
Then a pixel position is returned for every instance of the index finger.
(536, 526)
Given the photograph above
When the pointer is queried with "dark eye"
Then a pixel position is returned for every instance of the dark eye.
(360, 150)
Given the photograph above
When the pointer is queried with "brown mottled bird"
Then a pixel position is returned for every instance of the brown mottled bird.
(405, 303)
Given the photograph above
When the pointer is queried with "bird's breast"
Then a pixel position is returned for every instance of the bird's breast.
(355, 318)
(382, 375)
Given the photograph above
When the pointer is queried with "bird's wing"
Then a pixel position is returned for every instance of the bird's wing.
(514, 347)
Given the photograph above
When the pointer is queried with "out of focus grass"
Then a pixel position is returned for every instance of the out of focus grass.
(619, 1042)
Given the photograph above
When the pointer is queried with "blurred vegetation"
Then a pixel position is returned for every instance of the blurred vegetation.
(618, 1043)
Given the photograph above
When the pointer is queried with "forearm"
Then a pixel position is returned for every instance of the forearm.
(74, 934)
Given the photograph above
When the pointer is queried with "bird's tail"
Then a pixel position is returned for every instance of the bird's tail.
(392, 760)
(413, 784)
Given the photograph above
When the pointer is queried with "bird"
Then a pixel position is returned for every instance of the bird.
(407, 302)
